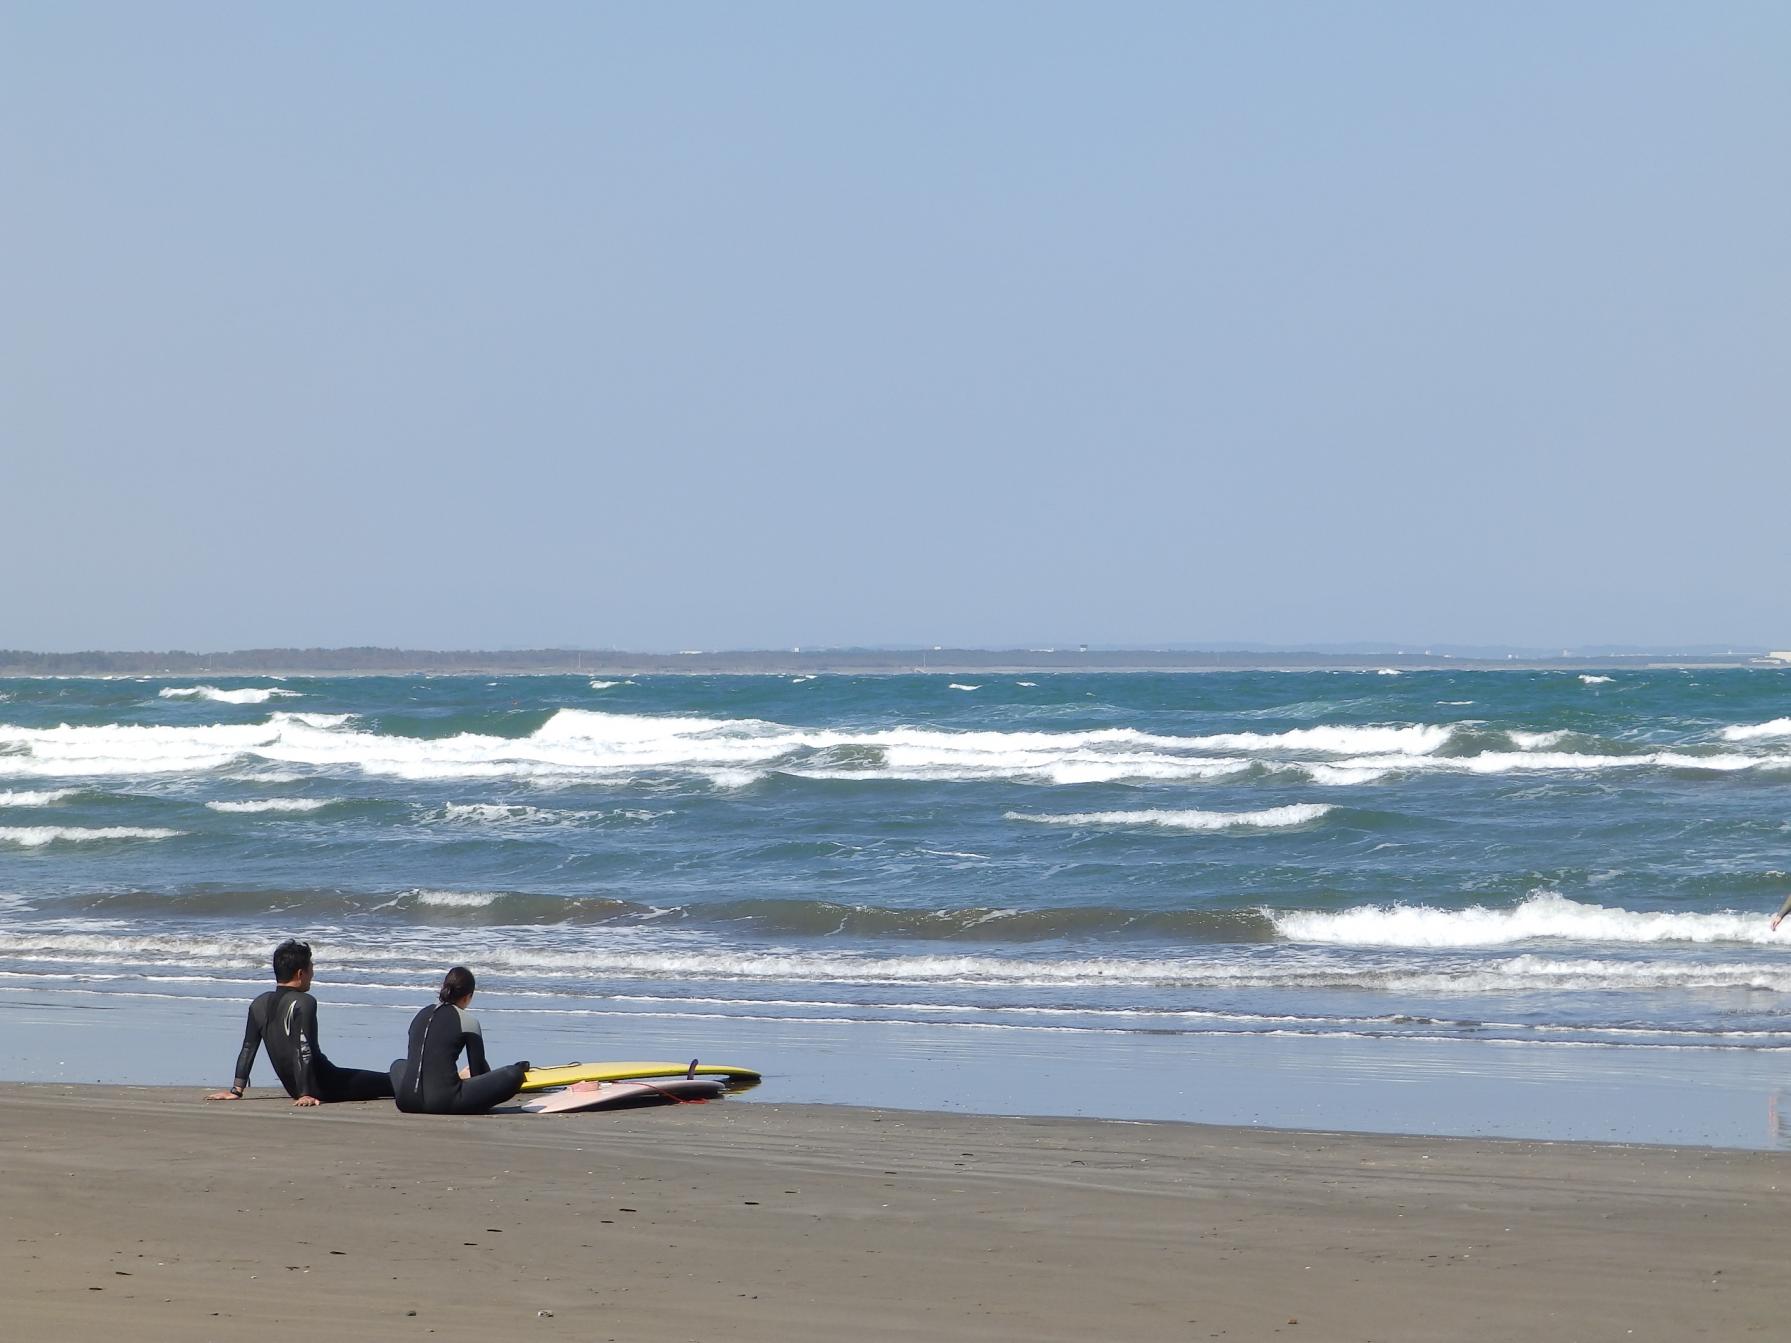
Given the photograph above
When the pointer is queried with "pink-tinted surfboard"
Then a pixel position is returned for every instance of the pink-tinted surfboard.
(622, 1095)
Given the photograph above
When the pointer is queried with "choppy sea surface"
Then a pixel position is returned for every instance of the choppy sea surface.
(1541, 861)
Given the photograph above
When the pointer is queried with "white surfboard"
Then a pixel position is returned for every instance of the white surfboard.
(625, 1095)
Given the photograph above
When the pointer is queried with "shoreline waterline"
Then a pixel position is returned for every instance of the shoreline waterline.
(1734, 1098)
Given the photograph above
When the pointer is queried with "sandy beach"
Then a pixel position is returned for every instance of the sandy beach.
(142, 1212)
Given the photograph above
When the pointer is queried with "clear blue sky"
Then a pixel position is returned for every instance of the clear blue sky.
(729, 325)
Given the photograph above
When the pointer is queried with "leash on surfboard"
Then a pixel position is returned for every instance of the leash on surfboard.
(672, 1095)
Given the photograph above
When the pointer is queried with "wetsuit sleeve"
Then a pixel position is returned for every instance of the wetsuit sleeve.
(302, 1025)
(474, 1040)
(245, 1059)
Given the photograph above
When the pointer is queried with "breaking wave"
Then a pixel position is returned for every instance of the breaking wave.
(37, 836)
(1536, 741)
(495, 813)
(617, 956)
(46, 798)
(313, 719)
(573, 743)
(275, 804)
(1544, 915)
(1270, 818)
(246, 695)
(1778, 727)
(1411, 739)
(1372, 769)
(521, 814)
(457, 899)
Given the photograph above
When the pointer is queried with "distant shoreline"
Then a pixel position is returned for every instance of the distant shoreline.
(857, 662)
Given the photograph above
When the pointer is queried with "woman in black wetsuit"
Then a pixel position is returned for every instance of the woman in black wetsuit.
(427, 1081)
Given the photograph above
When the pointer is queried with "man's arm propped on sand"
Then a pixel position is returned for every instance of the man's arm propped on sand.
(245, 1061)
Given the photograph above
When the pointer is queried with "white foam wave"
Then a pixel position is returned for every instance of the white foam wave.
(456, 899)
(1028, 684)
(615, 955)
(127, 749)
(487, 811)
(1033, 768)
(45, 798)
(1544, 915)
(276, 804)
(1270, 818)
(325, 720)
(80, 947)
(1388, 671)
(508, 813)
(582, 743)
(1778, 727)
(1536, 741)
(1609, 974)
(1595, 680)
(246, 695)
(1370, 769)
(1411, 738)
(1346, 776)
(604, 685)
(36, 836)
(729, 779)
(956, 686)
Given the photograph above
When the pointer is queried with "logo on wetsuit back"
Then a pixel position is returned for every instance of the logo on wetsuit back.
(299, 1038)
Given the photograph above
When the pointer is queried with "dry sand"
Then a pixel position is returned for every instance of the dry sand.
(143, 1214)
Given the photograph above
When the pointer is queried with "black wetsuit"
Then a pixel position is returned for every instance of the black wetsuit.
(285, 1020)
(428, 1082)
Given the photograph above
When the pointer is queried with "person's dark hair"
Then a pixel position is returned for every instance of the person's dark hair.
(290, 957)
(456, 984)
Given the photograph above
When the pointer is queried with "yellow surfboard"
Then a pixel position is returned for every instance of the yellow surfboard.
(565, 1074)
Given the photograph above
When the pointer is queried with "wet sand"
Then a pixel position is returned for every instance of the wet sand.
(145, 1214)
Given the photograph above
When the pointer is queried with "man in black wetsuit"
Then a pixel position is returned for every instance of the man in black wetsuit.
(285, 1020)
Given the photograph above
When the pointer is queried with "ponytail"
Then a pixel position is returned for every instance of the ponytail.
(456, 984)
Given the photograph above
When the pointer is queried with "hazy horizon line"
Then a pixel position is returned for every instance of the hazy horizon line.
(1356, 648)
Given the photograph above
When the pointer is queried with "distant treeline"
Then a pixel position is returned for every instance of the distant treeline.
(321, 661)
(398, 661)
(266, 661)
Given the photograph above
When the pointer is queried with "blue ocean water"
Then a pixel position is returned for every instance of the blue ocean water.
(1548, 860)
